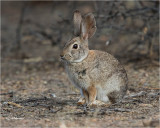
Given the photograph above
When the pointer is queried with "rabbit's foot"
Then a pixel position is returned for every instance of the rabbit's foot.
(81, 101)
(97, 103)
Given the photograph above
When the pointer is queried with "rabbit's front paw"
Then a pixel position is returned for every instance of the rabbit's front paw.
(81, 101)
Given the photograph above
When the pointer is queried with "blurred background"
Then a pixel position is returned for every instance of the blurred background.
(34, 33)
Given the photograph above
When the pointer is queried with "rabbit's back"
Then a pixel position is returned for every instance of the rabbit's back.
(103, 65)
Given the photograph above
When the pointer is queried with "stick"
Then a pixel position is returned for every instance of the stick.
(14, 104)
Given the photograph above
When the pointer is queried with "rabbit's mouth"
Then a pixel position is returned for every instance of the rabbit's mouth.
(66, 57)
(62, 58)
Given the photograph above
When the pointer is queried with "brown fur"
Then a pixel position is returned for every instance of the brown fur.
(86, 95)
(92, 92)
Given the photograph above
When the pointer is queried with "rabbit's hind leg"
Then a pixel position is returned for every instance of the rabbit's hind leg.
(117, 96)
(98, 103)
(102, 99)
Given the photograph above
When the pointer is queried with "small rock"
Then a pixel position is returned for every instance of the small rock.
(44, 82)
(107, 42)
(53, 95)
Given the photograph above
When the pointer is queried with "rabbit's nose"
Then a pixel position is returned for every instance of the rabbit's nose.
(62, 55)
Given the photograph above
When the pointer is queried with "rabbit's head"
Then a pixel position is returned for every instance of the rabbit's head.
(76, 49)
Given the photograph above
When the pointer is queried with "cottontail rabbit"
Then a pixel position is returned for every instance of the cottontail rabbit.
(98, 75)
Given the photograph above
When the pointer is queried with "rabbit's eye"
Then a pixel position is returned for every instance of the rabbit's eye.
(75, 46)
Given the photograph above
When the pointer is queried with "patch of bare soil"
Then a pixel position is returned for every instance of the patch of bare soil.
(40, 95)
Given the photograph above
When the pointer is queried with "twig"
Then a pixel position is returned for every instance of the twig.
(136, 95)
(7, 93)
(120, 110)
(19, 28)
(115, 109)
(152, 88)
(14, 104)
(58, 110)
(31, 100)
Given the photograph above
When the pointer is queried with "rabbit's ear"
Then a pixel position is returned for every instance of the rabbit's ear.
(77, 18)
(88, 26)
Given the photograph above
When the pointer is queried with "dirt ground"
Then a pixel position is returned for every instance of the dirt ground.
(35, 97)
